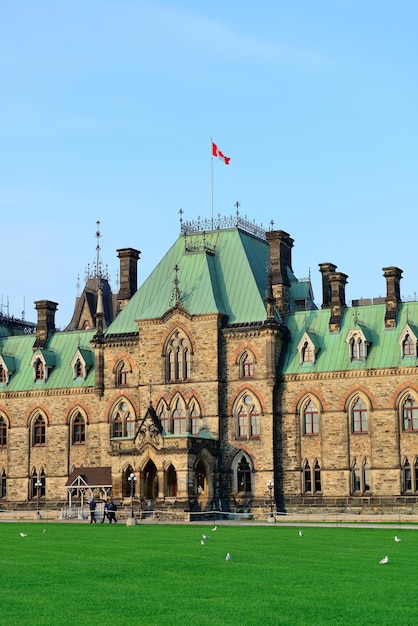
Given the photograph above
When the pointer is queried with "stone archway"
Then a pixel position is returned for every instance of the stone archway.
(150, 481)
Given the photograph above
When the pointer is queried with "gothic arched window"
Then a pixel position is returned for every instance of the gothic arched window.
(78, 429)
(178, 357)
(360, 422)
(122, 420)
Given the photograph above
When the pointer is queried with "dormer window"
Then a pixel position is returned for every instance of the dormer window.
(408, 342)
(3, 374)
(358, 345)
(308, 347)
(39, 370)
(81, 363)
(42, 363)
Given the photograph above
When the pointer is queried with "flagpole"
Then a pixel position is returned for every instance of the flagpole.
(211, 178)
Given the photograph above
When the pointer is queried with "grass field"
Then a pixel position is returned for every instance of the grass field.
(161, 575)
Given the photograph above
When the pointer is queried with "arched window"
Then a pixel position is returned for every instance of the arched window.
(307, 478)
(39, 431)
(407, 476)
(3, 432)
(39, 370)
(179, 419)
(357, 348)
(310, 419)
(247, 418)
(317, 477)
(307, 353)
(311, 477)
(408, 346)
(410, 414)
(194, 419)
(122, 374)
(246, 365)
(123, 420)
(79, 429)
(360, 477)
(244, 475)
(164, 419)
(37, 491)
(360, 422)
(178, 357)
(78, 369)
(3, 485)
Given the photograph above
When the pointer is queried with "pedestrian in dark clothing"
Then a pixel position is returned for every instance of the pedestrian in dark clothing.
(105, 507)
(111, 512)
(92, 507)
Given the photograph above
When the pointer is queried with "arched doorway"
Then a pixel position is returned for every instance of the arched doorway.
(201, 483)
(150, 481)
(171, 482)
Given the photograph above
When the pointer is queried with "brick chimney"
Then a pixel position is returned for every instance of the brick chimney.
(393, 277)
(280, 245)
(326, 269)
(128, 275)
(337, 282)
(46, 322)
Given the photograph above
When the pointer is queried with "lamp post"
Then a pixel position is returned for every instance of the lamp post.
(132, 479)
(38, 486)
(270, 486)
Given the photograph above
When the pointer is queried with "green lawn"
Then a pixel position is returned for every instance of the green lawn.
(161, 575)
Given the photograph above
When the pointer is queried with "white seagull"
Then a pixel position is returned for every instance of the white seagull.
(44, 531)
(23, 534)
(214, 528)
(228, 557)
(202, 543)
(300, 533)
(397, 539)
(205, 536)
(384, 560)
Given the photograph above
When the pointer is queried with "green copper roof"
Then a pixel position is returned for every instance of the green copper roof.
(224, 271)
(333, 352)
(60, 351)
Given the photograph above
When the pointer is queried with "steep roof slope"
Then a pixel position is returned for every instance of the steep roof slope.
(223, 271)
(62, 347)
(384, 348)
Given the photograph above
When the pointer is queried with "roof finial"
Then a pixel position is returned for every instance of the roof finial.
(175, 299)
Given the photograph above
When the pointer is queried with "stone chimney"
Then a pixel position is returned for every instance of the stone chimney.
(326, 269)
(128, 275)
(337, 282)
(46, 322)
(280, 244)
(393, 277)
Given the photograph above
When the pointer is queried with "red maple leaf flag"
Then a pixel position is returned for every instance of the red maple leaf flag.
(217, 153)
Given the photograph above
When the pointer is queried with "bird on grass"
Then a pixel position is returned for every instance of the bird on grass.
(202, 543)
(23, 534)
(300, 533)
(214, 528)
(44, 531)
(205, 537)
(397, 539)
(384, 560)
(228, 557)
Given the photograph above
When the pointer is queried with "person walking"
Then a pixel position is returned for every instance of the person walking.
(105, 508)
(92, 507)
(111, 512)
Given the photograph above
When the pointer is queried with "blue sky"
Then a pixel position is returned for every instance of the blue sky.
(107, 109)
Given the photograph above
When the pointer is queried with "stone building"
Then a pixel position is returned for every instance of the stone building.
(215, 377)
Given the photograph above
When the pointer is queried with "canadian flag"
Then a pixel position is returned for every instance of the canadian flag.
(217, 153)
